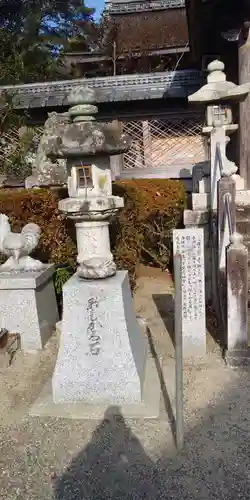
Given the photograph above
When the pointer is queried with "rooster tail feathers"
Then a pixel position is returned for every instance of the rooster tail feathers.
(31, 228)
(30, 237)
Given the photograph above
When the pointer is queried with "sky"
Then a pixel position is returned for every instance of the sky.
(96, 4)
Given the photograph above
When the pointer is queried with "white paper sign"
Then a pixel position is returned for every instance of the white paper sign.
(190, 289)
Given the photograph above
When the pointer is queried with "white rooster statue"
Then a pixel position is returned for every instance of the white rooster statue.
(18, 246)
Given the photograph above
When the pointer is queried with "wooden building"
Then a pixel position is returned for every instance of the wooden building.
(152, 108)
(140, 36)
(149, 102)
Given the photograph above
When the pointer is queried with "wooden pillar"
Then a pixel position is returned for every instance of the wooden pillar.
(237, 297)
(116, 164)
(226, 187)
(147, 145)
(244, 131)
(116, 161)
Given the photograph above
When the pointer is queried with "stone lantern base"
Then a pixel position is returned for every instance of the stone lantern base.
(102, 351)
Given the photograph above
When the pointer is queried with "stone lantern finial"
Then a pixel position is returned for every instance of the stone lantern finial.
(82, 94)
(216, 72)
(83, 109)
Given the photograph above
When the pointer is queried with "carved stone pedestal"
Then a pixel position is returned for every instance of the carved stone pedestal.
(91, 217)
(102, 352)
(28, 306)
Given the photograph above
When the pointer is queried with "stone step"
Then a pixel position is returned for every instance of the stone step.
(242, 214)
(247, 244)
(243, 227)
(246, 240)
(238, 358)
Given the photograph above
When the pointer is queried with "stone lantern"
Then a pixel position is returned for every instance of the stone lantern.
(218, 94)
(87, 146)
(217, 89)
(102, 352)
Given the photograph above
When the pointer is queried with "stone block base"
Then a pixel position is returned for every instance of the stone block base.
(238, 358)
(28, 306)
(102, 352)
(148, 408)
(201, 201)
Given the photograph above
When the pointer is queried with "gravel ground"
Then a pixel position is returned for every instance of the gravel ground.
(59, 459)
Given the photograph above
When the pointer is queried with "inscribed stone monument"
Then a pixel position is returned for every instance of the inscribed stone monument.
(102, 353)
(190, 291)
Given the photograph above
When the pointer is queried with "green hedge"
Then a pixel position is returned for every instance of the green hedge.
(141, 232)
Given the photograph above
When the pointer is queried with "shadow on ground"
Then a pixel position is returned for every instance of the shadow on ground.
(214, 328)
(214, 463)
(114, 465)
(164, 391)
(165, 305)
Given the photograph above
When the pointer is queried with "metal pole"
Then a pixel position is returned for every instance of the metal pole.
(114, 59)
(179, 421)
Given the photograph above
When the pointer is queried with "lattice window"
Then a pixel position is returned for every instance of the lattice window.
(17, 148)
(163, 142)
(134, 158)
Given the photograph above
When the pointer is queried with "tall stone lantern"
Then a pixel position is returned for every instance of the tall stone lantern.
(102, 353)
(87, 146)
(218, 94)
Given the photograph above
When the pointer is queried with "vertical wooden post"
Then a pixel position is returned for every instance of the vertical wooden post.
(179, 420)
(116, 161)
(226, 186)
(116, 165)
(244, 131)
(217, 141)
(147, 146)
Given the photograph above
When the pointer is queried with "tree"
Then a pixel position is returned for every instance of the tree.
(32, 35)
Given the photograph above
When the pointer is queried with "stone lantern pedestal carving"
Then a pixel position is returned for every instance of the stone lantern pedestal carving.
(91, 214)
(102, 352)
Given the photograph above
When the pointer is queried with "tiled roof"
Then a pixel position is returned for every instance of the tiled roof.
(176, 84)
(118, 7)
(142, 31)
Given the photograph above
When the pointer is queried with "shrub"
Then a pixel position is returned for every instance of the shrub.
(141, 232)
(40, 206)
(61, 275)
(15, 141)
(153, 207)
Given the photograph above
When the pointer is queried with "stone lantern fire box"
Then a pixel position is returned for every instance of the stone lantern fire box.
(102, 353)
(88, 177)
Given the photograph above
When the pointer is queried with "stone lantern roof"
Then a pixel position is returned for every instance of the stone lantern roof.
(83, 136)
(218, 88)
